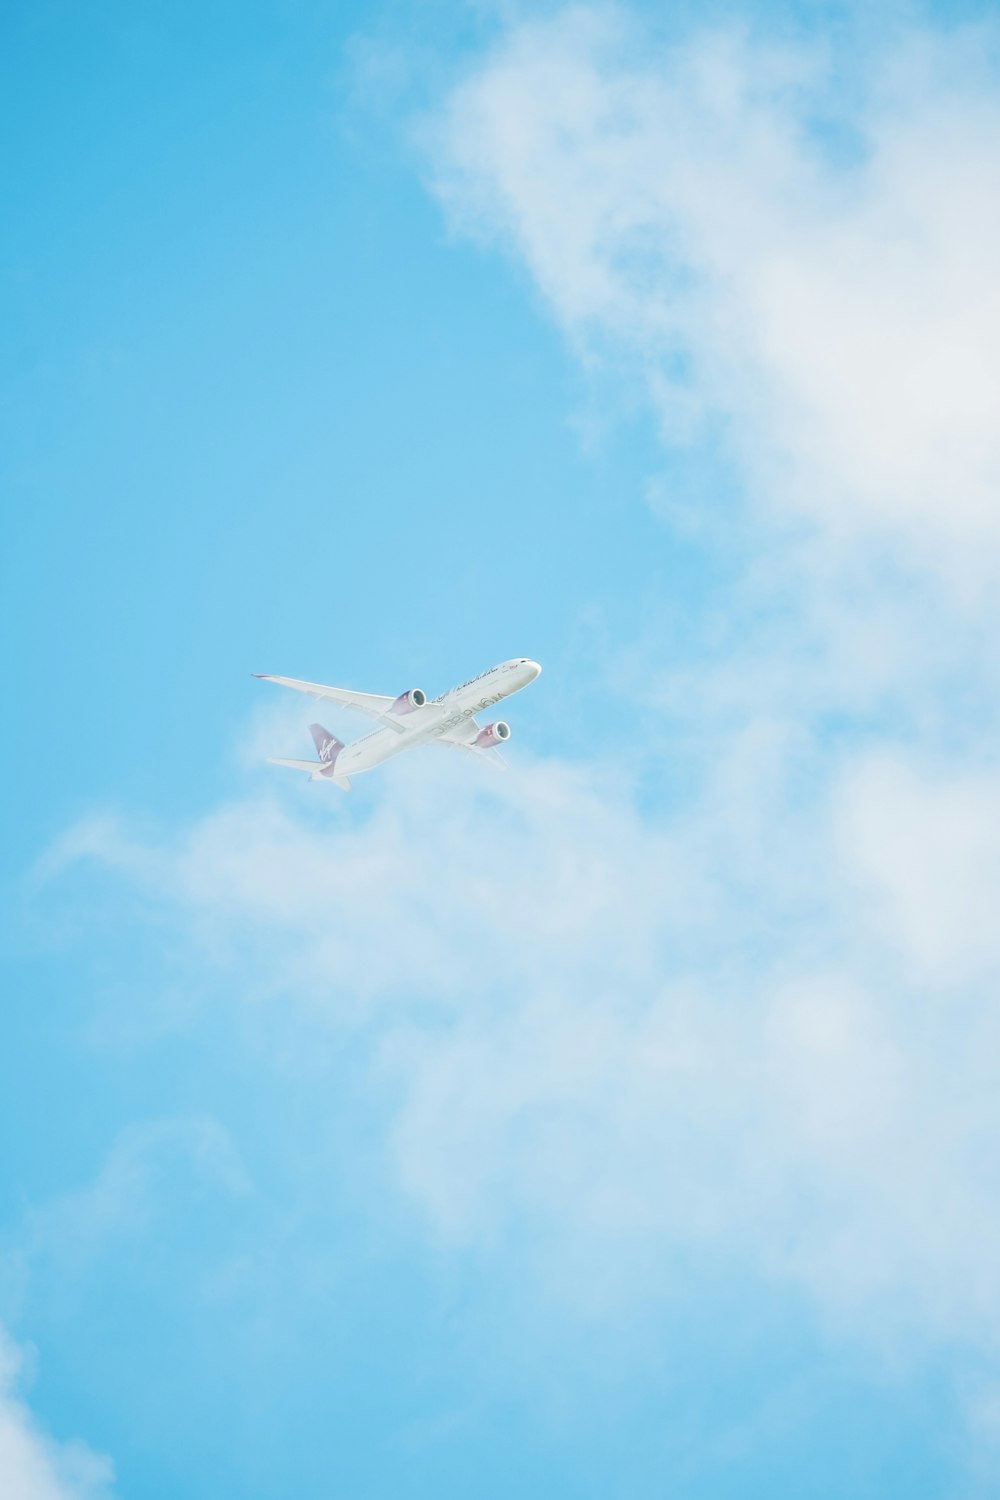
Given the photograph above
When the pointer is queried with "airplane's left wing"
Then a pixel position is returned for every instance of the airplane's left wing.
(374, 705)
(464, 736)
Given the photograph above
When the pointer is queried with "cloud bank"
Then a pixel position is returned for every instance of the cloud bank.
(623, 1032)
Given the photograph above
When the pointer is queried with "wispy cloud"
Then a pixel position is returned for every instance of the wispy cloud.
(32, 1465)
(794, 246)
(687, 1030)
(128, 1194)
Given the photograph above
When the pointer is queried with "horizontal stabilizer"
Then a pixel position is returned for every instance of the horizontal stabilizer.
(316, 769)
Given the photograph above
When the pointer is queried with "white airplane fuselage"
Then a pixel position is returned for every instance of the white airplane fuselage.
(437, 717)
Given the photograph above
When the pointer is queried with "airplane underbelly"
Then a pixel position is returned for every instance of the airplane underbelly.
(385, 743)
(366, 753)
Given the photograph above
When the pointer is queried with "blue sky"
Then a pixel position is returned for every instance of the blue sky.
(625, 1125)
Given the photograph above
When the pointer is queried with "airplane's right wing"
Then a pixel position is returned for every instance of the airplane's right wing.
(374, 705)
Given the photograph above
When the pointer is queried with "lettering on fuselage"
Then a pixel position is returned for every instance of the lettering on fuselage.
(461, 714)
(463, 685)
(457, 716)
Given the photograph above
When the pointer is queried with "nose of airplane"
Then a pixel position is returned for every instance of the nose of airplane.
(532, 668)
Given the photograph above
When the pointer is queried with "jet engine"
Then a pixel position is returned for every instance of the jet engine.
(493, 734)
(407, 702)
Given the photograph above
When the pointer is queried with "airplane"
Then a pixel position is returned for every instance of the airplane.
(411, 719)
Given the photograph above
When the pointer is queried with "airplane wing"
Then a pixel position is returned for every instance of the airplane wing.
(374, 705)
(463, 737)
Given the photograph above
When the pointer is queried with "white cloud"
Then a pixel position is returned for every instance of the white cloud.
(32, 1465)
(627, 1035)
(794, 249)
(817, 277)
(125, 1197)
(925, 849)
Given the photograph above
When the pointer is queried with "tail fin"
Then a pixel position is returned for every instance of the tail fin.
(328, 747)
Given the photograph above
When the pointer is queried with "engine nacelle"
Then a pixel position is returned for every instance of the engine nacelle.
(493, 734)
(407, 702)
